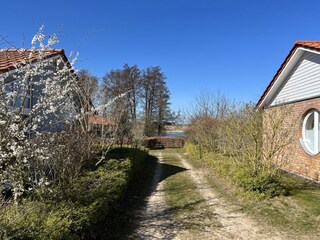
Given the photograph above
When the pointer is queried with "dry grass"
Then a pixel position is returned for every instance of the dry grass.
(182, 195)
(297, 215)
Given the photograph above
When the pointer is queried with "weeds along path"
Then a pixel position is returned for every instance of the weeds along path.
(156, 221)
(234, 224)
(183, 206)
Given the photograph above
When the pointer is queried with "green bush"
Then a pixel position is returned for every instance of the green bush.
(196, 150)
(261, 182)
(87, 208)
(191, 148)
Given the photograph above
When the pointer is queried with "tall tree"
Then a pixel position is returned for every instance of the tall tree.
(146, 93)
(125, 109)
(132, 77)
(156, 96)
(126, 80)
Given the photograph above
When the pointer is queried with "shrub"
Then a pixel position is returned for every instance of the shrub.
(254, 141)
(85, 210)
(195, 149)
(261, 182)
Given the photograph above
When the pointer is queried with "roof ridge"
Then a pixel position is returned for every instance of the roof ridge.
(314, 41)
(31, 49)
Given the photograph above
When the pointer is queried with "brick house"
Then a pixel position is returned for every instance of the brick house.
(297, 85)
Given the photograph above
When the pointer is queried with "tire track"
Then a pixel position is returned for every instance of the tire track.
(156, 222)
(235, 225)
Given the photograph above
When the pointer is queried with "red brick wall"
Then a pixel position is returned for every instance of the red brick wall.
(298, 160)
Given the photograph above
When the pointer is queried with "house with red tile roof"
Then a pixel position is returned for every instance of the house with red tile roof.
(11, 59)
(296, 85)
(14, 64)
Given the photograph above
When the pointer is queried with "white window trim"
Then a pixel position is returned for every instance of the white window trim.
(303, 141)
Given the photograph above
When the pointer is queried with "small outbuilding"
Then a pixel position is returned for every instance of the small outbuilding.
(99, 125)
(297, 85)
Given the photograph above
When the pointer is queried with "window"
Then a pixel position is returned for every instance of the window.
(310, 133)
(27, 102)
(24, 95)
(96, 129)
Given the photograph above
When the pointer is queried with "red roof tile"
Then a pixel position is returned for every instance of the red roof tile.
(308, 44)
(312, 45)
(13, 58)
(97, 119)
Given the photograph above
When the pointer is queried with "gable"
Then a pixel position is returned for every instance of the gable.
(303, 81)
(287, 69)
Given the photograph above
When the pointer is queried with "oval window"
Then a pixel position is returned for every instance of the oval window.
(310, 133)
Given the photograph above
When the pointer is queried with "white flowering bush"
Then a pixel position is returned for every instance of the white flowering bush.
(41, 106)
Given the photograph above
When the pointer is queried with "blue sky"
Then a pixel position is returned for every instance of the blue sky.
(234, 47)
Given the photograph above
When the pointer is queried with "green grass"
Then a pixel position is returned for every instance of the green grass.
(139, 189)
(190, 209)
(89, 207)
(297, 214)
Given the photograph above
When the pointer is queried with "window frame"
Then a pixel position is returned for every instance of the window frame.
(304, 141)
(25, 97)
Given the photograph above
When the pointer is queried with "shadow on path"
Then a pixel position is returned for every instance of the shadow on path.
(168, 170)
(136, 204)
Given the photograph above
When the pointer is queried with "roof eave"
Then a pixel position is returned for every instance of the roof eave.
(56, 52)
(285, 68)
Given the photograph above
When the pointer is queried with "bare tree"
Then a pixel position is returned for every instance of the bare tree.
(137, 134)
(123, 80)
(85, 95)
(255, 140)
(156, 97)
(279, 133)
(88, 83)
(205, 118)
(243, 131)
(132, 76)
(147, 95)
(259, 141)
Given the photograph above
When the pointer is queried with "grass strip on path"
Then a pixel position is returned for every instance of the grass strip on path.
(185, 201)
(296, 215)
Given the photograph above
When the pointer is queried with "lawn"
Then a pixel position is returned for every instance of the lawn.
(297, 214)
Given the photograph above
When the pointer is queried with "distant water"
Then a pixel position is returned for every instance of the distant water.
(174, 134)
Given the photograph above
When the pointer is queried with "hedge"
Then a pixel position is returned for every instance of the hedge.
(86, 210)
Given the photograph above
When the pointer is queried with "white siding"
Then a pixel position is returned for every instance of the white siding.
(303, 82)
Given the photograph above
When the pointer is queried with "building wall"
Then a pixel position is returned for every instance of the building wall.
(53, 122)
(299, 161)
(303, 82)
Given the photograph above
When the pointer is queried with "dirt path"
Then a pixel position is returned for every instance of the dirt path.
(158, 221)
(235, 225)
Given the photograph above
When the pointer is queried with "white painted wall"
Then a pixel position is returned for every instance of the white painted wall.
(303, 82)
